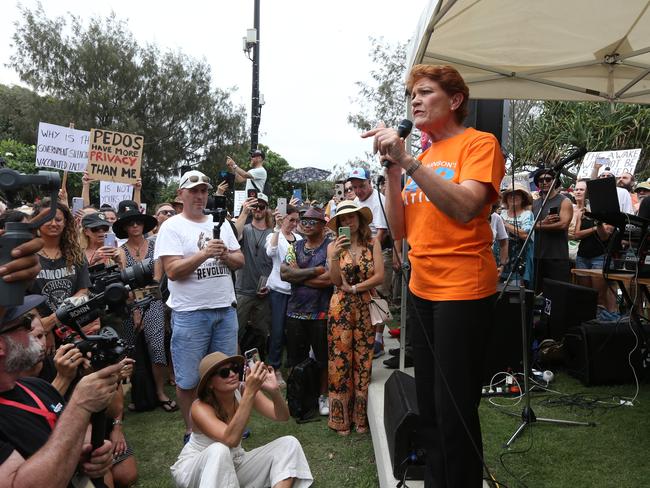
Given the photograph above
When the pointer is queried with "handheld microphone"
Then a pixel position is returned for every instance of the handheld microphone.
(403, 130)
(575, 155)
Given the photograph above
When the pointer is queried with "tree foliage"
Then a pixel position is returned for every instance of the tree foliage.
(545, 131)
(105, 79)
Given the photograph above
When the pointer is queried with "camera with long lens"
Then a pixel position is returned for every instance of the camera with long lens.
(17, 233)
(110, 291)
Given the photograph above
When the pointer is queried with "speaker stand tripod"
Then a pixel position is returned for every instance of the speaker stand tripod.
(528, 416)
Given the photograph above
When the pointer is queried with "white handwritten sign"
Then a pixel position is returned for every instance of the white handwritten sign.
(618, 161)
(113, 193)
(62, 148)
(240, 196)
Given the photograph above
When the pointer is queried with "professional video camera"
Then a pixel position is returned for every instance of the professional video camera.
(110, 290)
(17, 233)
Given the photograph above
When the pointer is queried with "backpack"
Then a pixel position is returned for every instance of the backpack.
(302, 391)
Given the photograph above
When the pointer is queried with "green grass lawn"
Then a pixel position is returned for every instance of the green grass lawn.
(614, 453)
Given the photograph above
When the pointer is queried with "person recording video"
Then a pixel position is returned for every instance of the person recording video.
(42, 440)
(443, 212)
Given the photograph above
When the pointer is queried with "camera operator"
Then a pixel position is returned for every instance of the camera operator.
(40, 443)
(201, 290)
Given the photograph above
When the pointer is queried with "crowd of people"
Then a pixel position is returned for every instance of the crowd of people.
(288, 285)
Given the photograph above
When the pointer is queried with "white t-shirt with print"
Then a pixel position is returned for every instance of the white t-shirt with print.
(372, 202)
(259, 177)
(210, 285)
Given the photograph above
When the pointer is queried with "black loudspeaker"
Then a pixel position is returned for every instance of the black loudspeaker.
(401, 418)
(486, 115)
(503, 348)
(567, 306)
(598, 353)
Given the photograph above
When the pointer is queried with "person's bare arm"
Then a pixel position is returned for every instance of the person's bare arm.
(137, 191)
(234, 259)
(85, 188)
(558, 222)
(298, 275)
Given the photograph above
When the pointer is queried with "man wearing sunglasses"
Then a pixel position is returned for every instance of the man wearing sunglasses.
(551, 231)
(163, 212)
(305, 267)
(255, 177)
(202, 295)
(253, 308)
(42, 443)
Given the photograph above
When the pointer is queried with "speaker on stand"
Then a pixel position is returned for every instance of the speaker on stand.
(401, 419)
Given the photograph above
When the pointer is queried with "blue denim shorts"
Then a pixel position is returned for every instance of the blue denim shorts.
(590, 263)
(196, 334)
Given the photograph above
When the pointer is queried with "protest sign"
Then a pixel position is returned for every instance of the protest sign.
(618, 161)
(240, 196)
(113, 193)
(62, 148)
(114, 156)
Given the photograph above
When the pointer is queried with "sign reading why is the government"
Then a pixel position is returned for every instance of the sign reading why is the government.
(114, 156)
(61, 148)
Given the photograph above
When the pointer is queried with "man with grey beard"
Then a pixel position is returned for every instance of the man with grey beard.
(41, 444)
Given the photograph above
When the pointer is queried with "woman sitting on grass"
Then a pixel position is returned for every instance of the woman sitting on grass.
(213, 457)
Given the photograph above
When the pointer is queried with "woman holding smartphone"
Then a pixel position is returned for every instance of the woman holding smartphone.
(95, 228)
(356, 268)
(133, 225)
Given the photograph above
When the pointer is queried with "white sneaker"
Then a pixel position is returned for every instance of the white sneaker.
(280, 379)
(323, 405)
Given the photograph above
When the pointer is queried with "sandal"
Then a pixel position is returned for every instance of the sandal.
(168, 405)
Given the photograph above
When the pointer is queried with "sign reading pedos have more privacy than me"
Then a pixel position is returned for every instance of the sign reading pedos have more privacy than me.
(114, 156)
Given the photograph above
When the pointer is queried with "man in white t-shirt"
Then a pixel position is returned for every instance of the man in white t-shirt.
(202, 295)
(367, 196)
(255, 177)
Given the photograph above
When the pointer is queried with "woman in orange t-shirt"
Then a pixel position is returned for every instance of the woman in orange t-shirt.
(443, 213)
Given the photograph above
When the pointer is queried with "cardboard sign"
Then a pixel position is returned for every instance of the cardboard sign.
(62, 148)
(240, 196)
(618, 161)
(113, 193)
(114, 156)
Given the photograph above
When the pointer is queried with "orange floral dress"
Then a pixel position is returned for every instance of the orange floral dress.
(350, 337)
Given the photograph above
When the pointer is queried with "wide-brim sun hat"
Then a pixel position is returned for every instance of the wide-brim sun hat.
(521, 189)
(348, 207)
(644, 185)
(211, 363)
(127, 212)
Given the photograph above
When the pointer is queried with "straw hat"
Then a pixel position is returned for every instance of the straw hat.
(348, 207)
(213, 362)
(525, 193)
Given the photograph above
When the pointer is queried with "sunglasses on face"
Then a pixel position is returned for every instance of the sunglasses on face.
(169, 213)
(136, 222)
(226, 370)
(309, 222)
(195, 179)
(25, 323)
(546, 179)
(259, 207)
(94, 230)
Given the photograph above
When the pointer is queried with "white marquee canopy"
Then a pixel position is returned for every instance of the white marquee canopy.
(594, 50)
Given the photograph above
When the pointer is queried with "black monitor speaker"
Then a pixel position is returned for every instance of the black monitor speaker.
(401, 418)
(487, 116)
(567, 305)
(504, 347)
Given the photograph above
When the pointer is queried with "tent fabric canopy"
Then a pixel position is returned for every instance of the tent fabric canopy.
(589, 50)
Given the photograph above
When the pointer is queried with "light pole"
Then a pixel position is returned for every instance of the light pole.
(252, 42)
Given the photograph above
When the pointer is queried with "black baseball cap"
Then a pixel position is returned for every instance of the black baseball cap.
(257, 152)
(95, 219)
(13, 313)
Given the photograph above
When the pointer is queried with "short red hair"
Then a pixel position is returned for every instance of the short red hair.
(449, 80)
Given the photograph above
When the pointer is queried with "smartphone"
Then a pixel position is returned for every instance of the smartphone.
(297, 194)
(339, 188)
(229, 178)
(252, 356)
(282, 206)
(110, 239)
(261, 283)
(77, 204)
(553, 211)
(252, 193)
(345, 231)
